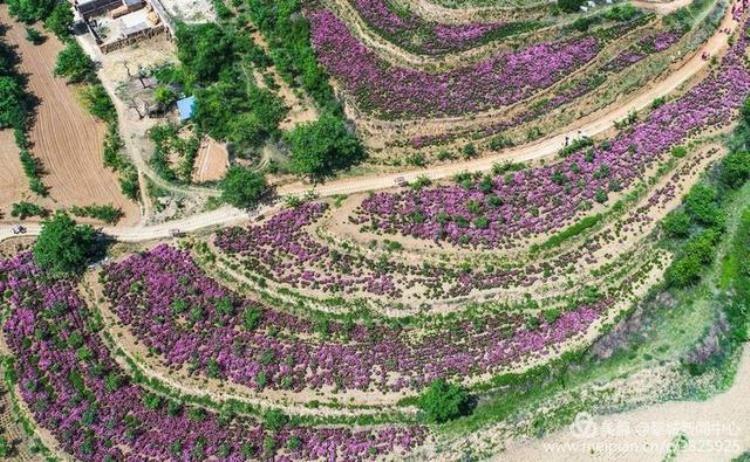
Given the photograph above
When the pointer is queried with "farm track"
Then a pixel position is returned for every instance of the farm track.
(66, 139)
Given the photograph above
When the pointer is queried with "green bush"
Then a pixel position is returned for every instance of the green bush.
(570, 6)
(106, 213)
(23, 210)
(319, 148)
(64, 247)
(74, 64)
(701, 204)
(677, 224)
(98, 103)
(443, 401)
(60, 20)
(242, 187)
(30, 11)
(735, 169)
(34, 36)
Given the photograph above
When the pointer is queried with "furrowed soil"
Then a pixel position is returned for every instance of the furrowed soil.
(66, 139)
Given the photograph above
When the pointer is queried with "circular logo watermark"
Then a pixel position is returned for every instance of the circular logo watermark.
(584, 426)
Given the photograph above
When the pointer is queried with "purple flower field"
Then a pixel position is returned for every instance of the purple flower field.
(539, 200)
(413, 33)
(189, 319)
(502, 79)
(76, 391)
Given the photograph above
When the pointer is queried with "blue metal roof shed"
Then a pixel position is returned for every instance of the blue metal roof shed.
(185, 107)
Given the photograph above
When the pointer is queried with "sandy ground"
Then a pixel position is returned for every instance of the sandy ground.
(717, 430)
(212, 161)
(13, 184)
(66, 139)
(190, 11)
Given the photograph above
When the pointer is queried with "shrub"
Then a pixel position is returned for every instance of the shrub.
(23, 210)
(106, 213)
(735, 169)
(30, 11)
(242, 187)
(443, 401)
(60, 20)
(74, 64)
(34, 36)
(702, 206)
(570, 6)
(63, 246)
(677, 224)
(274, 420)
(97, 102)
(321, 147)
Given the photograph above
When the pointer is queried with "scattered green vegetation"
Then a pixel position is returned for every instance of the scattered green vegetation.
(23, 210)
(106, 213)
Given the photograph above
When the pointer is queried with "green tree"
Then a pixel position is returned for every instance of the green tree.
(321, 147)
(443, 401)
(30, 11)
(63, 246)
(60, 20)
(242, 187)
(203, 50)
(74, 64)
(570, 6)
(701, 204)
(677, 224)
(12, 108)
(735, 169)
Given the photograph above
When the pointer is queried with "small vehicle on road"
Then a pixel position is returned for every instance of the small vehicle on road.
(401, 181)
(175, 232)
(19, 229)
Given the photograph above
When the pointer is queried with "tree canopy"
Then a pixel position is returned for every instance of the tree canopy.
(443, 401)
(242, 187)
(321, 147)
(60, 20)
(243, 114)
(74, 64)
(63, 246)
(203, 50)
(12, 107)
(30, 11)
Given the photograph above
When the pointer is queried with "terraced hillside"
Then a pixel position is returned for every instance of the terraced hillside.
(447, 230)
